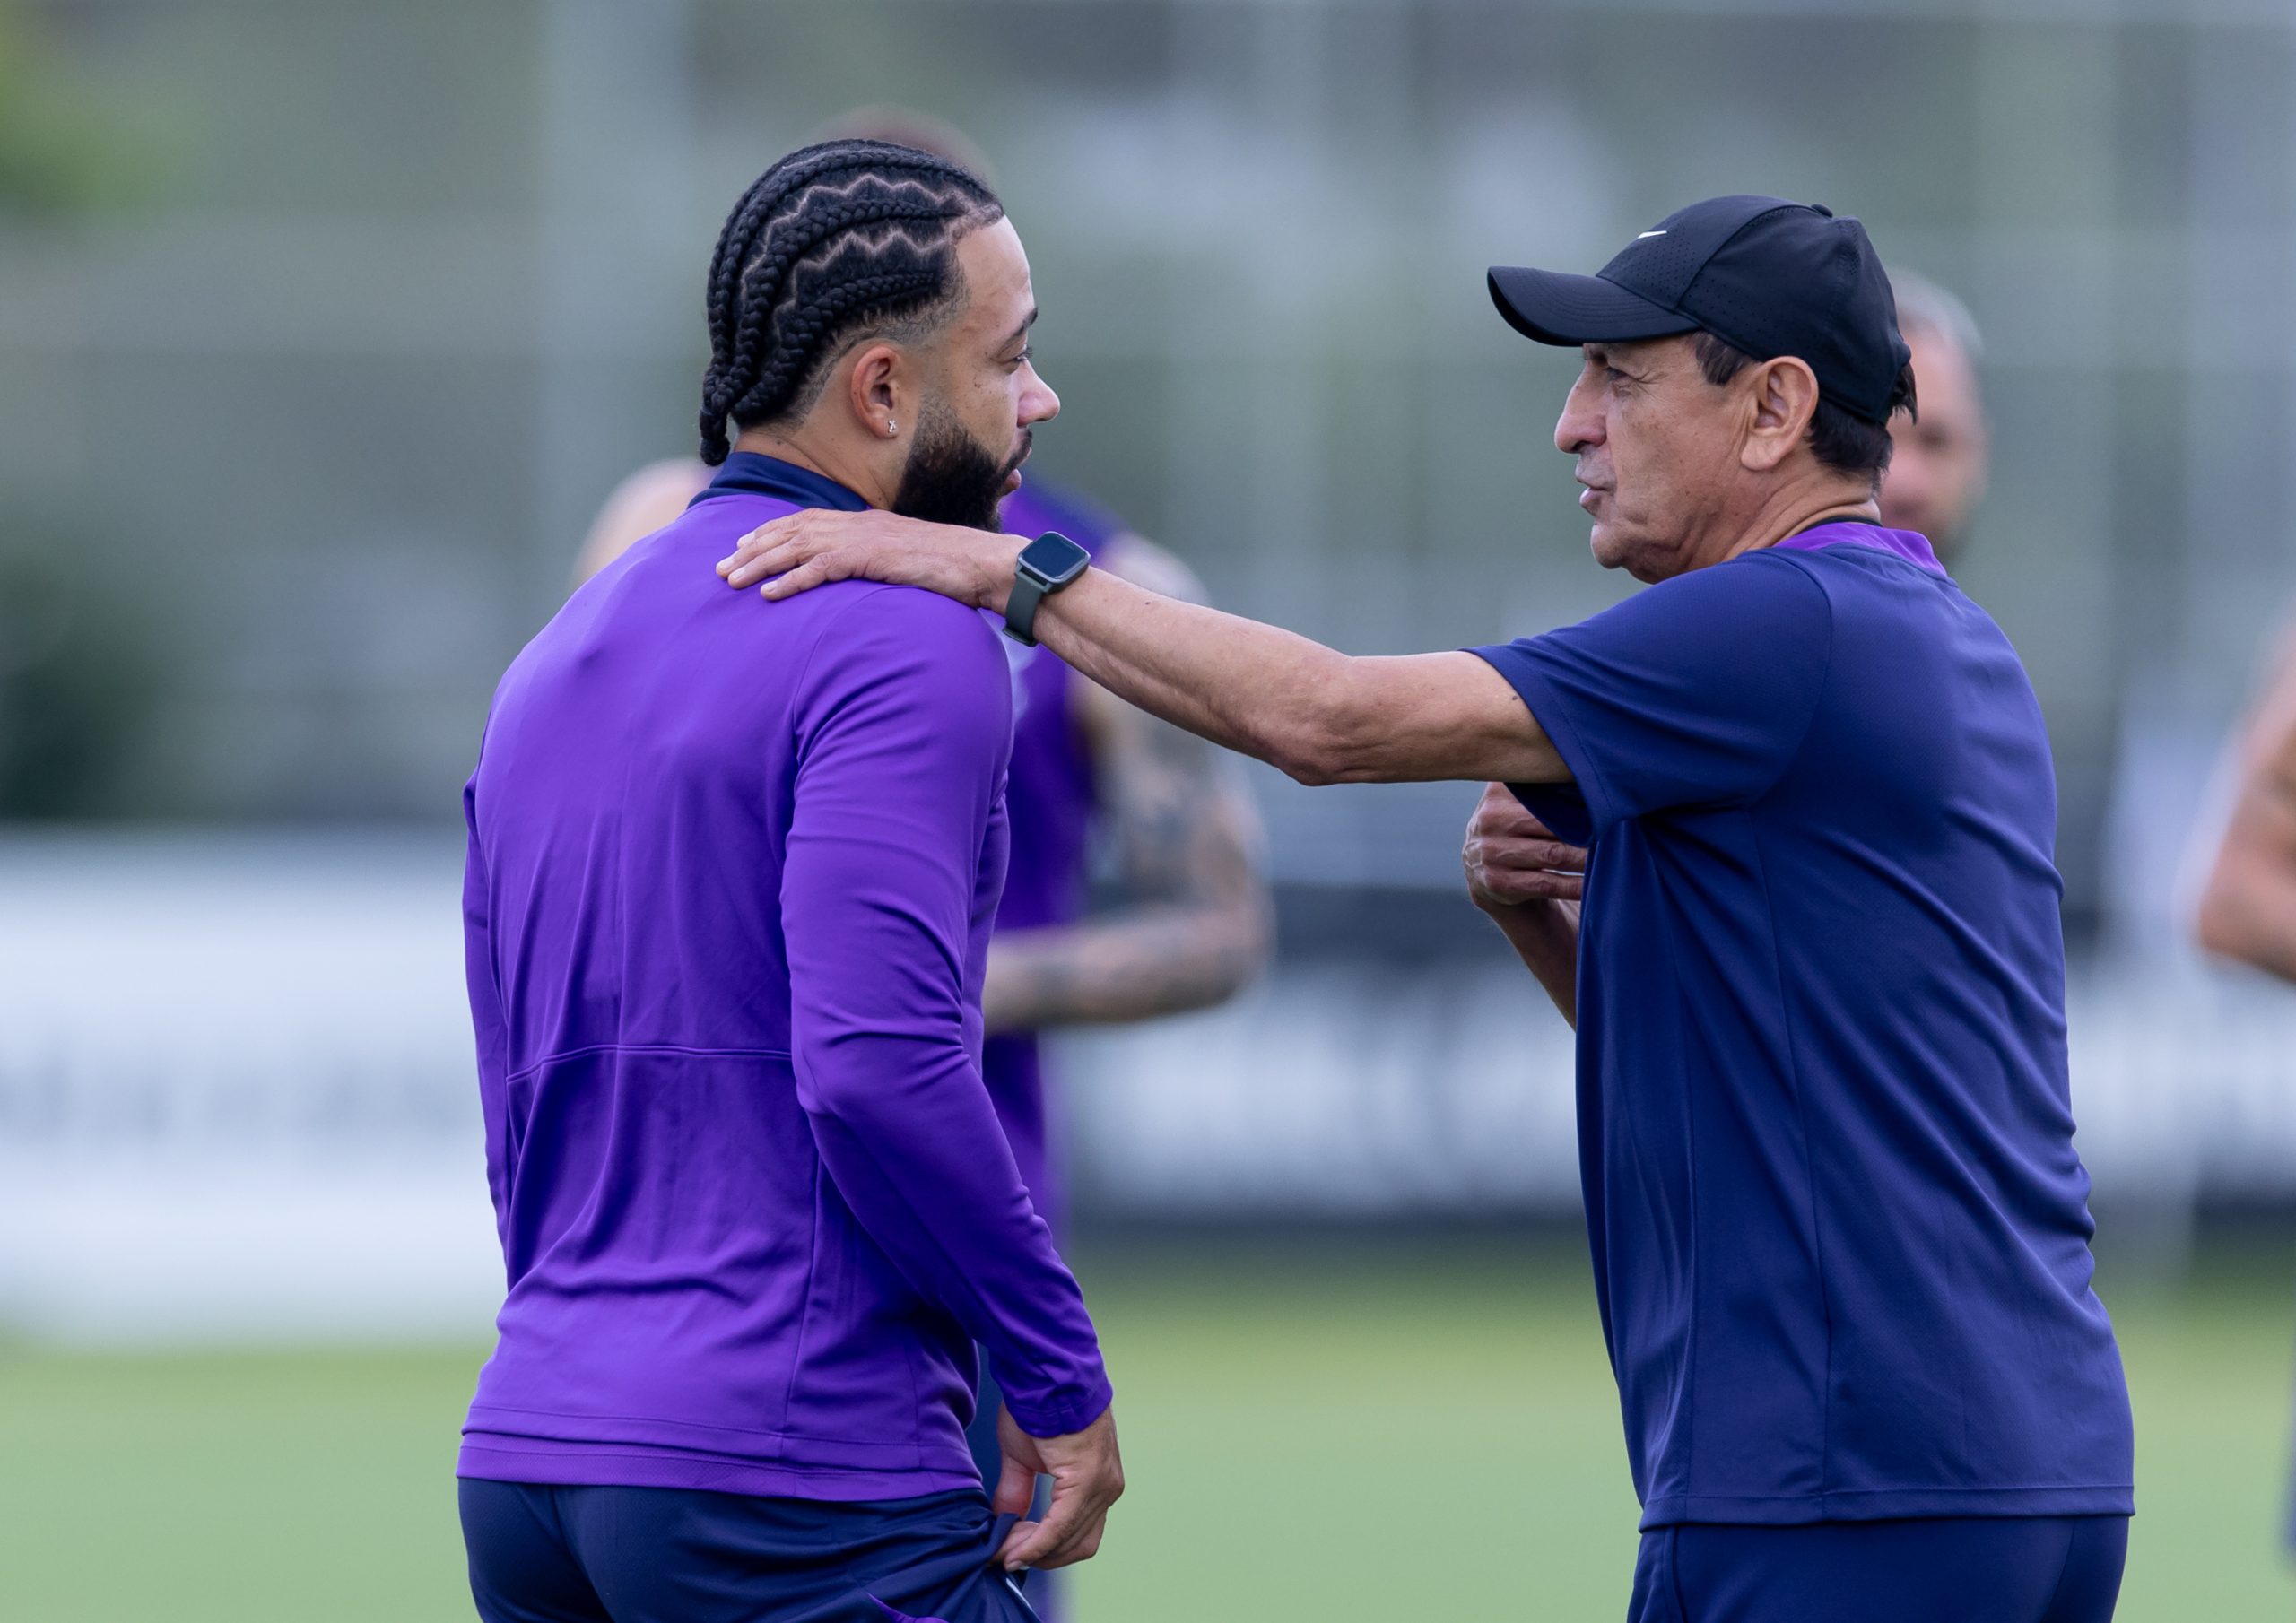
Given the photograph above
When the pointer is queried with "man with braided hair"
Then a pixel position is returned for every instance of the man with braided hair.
(1091, 775)
(725, 962)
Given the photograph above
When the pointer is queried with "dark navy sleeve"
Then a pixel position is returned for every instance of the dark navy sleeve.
(1694, 692)
(906, 725)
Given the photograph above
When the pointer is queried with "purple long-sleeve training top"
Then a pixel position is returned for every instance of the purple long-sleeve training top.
(732, 871)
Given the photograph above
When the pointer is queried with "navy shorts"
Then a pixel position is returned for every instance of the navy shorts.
(1999, 1569)
(668, 1555)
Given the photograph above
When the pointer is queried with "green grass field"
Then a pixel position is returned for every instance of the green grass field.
(1323, 1434)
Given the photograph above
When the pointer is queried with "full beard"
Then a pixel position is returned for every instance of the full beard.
(952, 478)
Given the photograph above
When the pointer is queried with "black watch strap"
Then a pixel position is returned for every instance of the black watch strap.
(1021, 608)
(1045, 564)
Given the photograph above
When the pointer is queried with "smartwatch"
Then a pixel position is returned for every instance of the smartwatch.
(1046, 564)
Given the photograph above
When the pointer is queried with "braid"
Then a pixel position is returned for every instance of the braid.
(834, 240)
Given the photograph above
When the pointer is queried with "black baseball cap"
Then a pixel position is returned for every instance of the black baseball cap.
(1762, 274)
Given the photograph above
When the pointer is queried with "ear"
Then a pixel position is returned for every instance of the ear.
(1782, 398)
(874, 386)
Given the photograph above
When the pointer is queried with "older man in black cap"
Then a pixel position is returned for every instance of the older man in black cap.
(1839, 1231)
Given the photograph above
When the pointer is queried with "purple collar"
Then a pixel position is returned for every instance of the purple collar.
(1908, 544)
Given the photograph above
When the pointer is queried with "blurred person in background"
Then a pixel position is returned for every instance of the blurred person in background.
(756, 1207)
(1939, 463)
(2246, 909)
(1089, 774)
(1839, 1227)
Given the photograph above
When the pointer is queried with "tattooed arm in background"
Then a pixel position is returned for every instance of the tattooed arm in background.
(1194, 924)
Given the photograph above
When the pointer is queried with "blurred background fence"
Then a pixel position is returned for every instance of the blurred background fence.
(323, 330)
(326, 329)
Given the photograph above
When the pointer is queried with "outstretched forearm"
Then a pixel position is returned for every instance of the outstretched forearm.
(1318, 715)
(1255, 689)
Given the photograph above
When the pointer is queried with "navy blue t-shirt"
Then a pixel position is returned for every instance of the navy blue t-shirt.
(1840, 1233)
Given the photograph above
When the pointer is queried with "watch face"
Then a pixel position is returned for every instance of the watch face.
(1055, 558)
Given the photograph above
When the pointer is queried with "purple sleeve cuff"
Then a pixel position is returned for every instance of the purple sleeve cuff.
(1060, 1410)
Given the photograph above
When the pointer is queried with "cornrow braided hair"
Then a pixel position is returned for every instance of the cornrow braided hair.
(835, 240)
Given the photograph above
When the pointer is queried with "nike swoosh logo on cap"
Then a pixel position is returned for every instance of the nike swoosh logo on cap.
(1639, 237)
